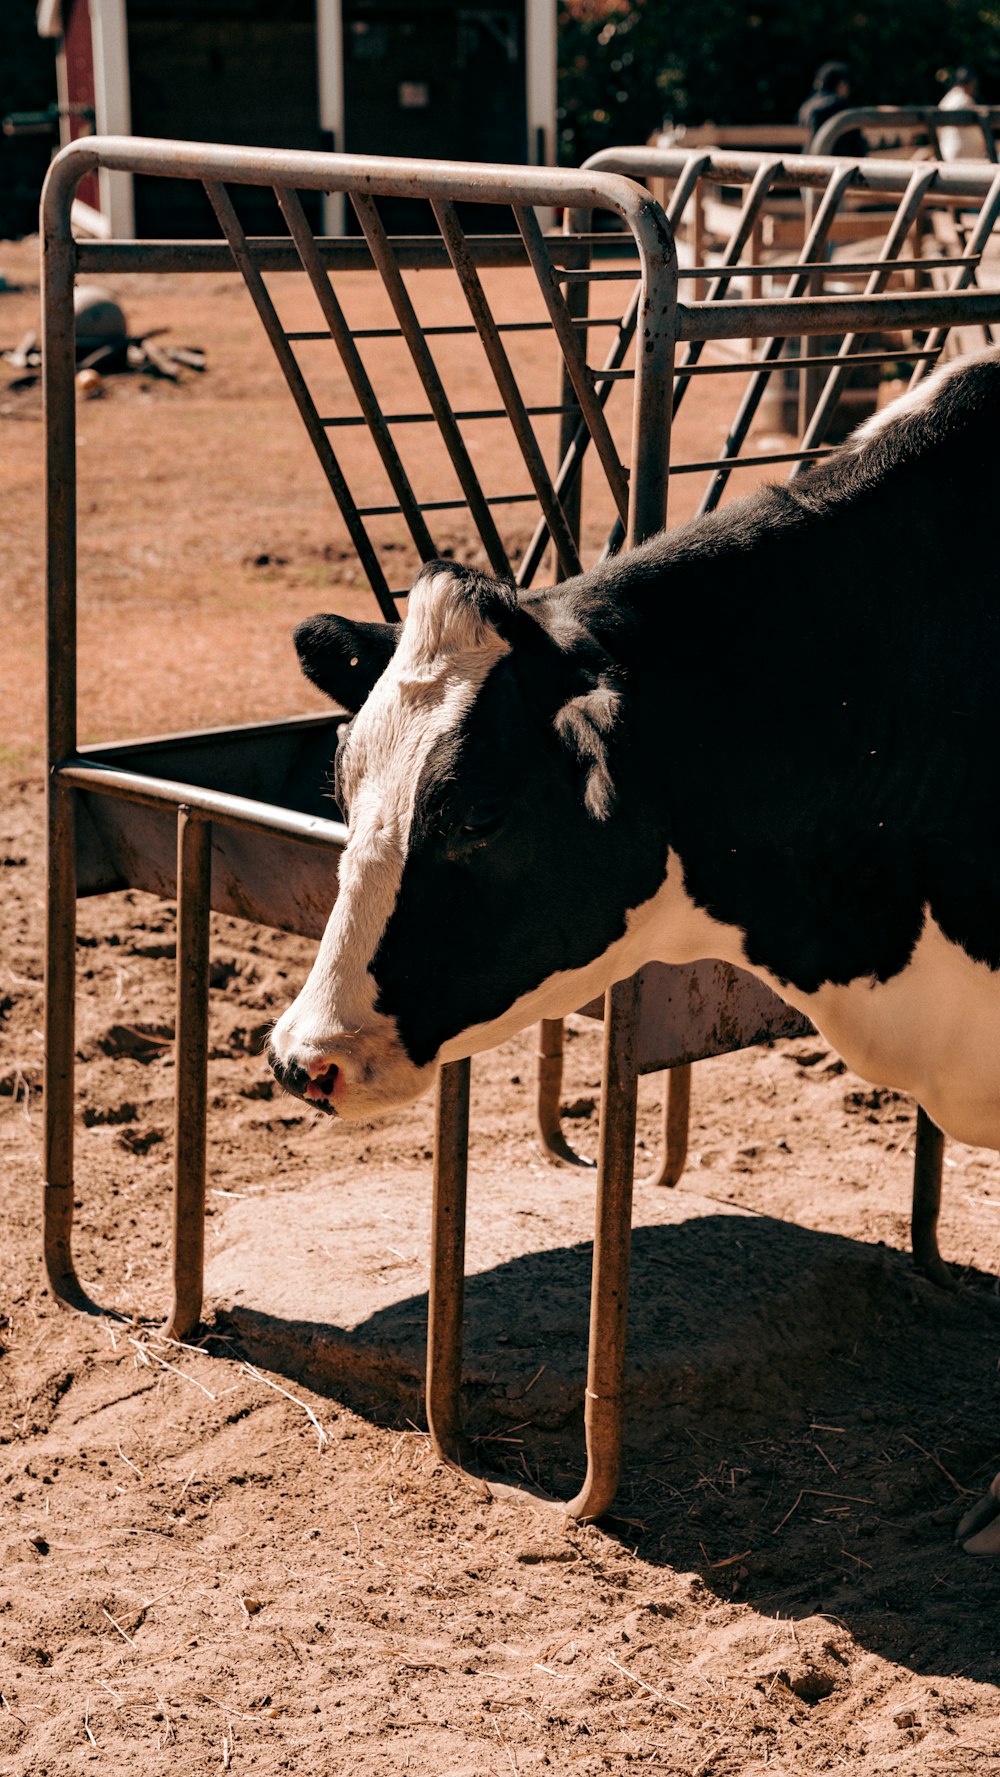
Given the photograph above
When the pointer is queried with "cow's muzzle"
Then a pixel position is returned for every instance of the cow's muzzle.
(316, 1085)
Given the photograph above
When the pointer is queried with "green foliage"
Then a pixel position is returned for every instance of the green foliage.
(624, 65)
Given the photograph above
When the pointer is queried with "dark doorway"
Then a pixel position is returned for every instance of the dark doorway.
(438, 81)
(241, 71)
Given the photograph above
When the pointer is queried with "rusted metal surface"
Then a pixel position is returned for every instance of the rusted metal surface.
(446, 1290)
(219, 818)
(194, 865)
(603, 1403)
(927, 1168)
(676, 1123)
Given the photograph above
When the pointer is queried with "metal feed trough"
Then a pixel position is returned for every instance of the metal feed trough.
(233, 819)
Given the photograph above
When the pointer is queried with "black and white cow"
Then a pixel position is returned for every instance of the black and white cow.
(770, 736)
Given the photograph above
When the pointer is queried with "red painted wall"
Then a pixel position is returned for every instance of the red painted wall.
(78, 45)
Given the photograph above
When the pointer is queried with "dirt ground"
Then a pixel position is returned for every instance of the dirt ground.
(242, 1555)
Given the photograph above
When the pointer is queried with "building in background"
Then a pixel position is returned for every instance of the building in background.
(413, 77)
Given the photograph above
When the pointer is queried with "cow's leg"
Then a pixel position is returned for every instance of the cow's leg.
(612, 1251)
(60, 990)
(194, 865)
(927, 1167)
(979, 1530)
(446, 1297)
(676, 1119)
(549, 1076)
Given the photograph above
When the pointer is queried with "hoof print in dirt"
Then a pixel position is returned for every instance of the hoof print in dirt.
(139, 1141)
(136, 1042)
(98, 1116)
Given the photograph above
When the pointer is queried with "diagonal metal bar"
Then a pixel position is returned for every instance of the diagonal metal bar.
(966, 276)
(767, 173)
(574, 358)
(686, 187)
(222, 204)
(389, 271)
(920, 183)
(572, 464)
(798, 285)
(305, 245)
(458, 251)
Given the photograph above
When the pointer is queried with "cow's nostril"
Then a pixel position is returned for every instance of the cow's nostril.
(323, 1084)
(275, 1064)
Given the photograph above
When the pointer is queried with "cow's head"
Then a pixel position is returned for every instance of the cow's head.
(486, 872)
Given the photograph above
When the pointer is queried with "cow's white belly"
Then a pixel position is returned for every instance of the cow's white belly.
(933, 1030)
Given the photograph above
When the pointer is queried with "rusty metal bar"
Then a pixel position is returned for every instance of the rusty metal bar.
(548, 1088)
(58, 381)
(427, 419)
(510, 394)
(763, 179)
(927, 1165)
(920, 183)
(816, 236)
(291, 208)
(982, 229)
(574, 445)
(194, 875)
(574, 358)
(676, 1121)
(834, 314)
(275, 253)
(729, 166)
(222, 204)
(58, 1093)
(384, 258)
(446, 1293)
(887, 117)
(650, 455)
(219, 805)
(603, 1404)
(840, 267)
(753, 462)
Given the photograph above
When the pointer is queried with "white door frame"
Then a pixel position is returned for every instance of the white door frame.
(330, 69)
(113, 108)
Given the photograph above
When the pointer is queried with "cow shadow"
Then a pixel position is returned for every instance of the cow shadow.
(802, 1413)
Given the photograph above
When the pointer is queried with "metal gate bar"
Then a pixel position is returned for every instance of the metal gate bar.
(141, 779)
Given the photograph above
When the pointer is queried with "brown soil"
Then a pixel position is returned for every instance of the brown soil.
(210, 1565)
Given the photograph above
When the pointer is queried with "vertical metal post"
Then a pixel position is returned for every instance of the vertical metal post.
(676, 1118)
(446, 1295)
(927, 1167)
(60, 985)
(58, 374)
(612, 1252)
(650, 458)
(194, 869)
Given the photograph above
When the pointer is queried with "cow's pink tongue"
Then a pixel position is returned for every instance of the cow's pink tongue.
(322, 1086)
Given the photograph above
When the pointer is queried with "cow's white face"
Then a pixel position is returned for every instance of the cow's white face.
(474, 779)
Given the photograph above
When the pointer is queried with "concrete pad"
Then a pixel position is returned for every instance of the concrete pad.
(327, 1283)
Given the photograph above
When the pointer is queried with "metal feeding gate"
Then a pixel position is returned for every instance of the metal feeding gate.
(233, 819)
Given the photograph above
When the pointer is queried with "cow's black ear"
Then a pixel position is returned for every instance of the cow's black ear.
(584, 725)
(345, 658)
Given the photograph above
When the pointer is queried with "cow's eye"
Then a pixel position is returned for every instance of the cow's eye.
(480, 825)
(475, 828)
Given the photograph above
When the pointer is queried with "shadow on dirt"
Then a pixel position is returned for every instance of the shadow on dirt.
(804, 1417)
